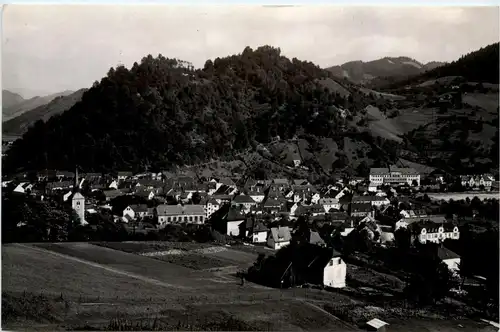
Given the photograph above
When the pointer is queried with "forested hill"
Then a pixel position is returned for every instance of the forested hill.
(478, 66)
(162, 112)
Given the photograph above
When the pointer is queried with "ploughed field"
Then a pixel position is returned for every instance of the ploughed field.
(179, 286)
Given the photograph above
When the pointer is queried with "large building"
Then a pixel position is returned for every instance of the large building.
(394, 176)
(187, 214)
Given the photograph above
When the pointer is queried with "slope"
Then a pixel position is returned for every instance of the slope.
(20, 124)
(478, 66)
(447, 119)
(162, 113)
(381, 69)
(10, 99)
(29, 104)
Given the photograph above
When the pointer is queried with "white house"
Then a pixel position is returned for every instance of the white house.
(136, 211)
(113, 185)
(372, 187)
(259, 236)
(234, 219)
(244, 201)
(329, 203)
(211, 207)
(256, 230)
(335, 271)
(325, 266)
(315, 198)
(257, 194)
(472, 181)
(278, 237)
(436, 233)
(23, 187)
(451, 259)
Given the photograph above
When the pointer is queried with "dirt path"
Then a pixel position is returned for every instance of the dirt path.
(107, 268)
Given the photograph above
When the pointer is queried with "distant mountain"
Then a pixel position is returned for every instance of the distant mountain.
(478, 66)
(364, 72)
(20, 124)
(10, 99)
(28, 104)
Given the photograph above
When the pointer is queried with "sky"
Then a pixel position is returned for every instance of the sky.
(52, 48)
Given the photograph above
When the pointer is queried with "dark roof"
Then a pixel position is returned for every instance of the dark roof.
(174, 210)
(234, 215)
(139, 207)
(445, 253)
(270, 202)
(243, 199)
(361, 207)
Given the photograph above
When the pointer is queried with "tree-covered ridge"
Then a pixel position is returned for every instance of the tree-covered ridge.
(162, 112)
(478, 66)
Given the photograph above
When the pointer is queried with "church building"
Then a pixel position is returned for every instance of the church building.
(77, 200)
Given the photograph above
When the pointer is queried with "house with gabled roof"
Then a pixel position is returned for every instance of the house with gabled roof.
(180, 214)
(329, 204)
(234, 218)
(254, 229)
(300, 182)
(273, 206)
(450, 258)
(228, 182)
(405, 222)
(360, 209)
(222, 198)
(113, 193)
(145, 193)
(136, 211)
(315, 265)
(212, 206)
(428, 231)
(278, 237)
(123, 175)
(315, 238)
(23, 188)
(60, 175)
(244, 201)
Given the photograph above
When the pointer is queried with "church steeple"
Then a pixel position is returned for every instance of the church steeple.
(76, 185)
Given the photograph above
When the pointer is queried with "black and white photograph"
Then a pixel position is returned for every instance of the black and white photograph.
(250, 167)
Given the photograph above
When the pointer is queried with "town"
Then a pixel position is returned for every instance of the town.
(271, 213)
(267, 168)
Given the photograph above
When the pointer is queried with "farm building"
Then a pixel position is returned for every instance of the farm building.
(298, 264)
(278, 237)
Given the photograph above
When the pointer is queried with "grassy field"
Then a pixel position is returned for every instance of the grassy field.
(97, 287)
(80, 285)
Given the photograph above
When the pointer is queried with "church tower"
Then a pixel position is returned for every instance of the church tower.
(78, 201)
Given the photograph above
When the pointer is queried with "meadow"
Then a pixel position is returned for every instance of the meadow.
(88, 286)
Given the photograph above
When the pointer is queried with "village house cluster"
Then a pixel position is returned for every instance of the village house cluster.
(254, 210)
